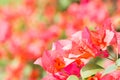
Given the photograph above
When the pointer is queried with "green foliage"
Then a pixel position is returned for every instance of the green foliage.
(109, 69)
(4, 2)
(64, 4)
(3, 63)
(63, 35)
(92, 67)
(7, 2)
(112, 68)
(72, 77)
(118, 62)
(113, 55)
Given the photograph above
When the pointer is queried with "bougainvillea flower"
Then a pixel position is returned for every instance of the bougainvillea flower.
(102, 37)
(56, 60)
(15, 70)
(96, 77)
(112, 76)
(118, 41)
(23, 37)
(73, 53)
(89, 13)
(73, 68)
(26, 49)
(49, 77)
(34, 74)
(5, 30)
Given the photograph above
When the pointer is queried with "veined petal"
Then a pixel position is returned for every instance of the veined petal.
(77, 36)
(118, 41)
(109, 36)
(68, 61)
(4, 30)
(67, 44)
(38, 61)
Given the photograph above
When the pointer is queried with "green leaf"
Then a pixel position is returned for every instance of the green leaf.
(8, 2)
(109, 69)
(63, 4)
(118, 62)
(3, 62)
(72, 77)
(4, 2)
(63, 35)
(99, 61)
(91, 68)
(111, 53)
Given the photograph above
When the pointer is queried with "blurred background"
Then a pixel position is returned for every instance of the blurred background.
(28, 27)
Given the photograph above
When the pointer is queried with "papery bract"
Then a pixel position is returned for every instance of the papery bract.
(5, 30)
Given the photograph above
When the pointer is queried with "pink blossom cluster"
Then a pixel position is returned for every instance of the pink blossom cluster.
(23, 38)
(67, 57)
(28, 28)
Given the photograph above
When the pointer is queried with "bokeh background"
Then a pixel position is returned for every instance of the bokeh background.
(28, 28)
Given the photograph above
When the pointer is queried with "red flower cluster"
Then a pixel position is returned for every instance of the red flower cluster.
(68, 56)
(28, 27)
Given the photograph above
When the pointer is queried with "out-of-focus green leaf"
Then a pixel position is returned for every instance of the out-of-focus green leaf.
(72, 77)
(118, 62)
(63, 35)
(63, 4)
(2, 74)
(3, 63)
(7, 2)
(27, 70)
(4, 2)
